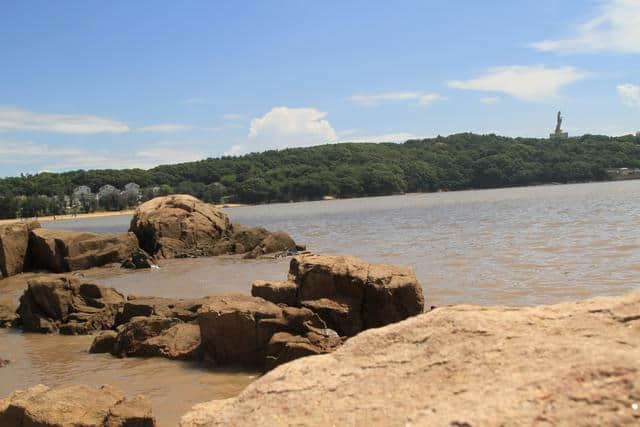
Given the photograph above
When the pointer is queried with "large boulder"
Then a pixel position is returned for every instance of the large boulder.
(65, 304)
(75, 405)
(14, 241)
(155, 336)
(62, 251)
(179, 226)
(565, 364)
(349, 294)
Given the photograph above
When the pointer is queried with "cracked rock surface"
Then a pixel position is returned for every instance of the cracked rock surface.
(574, 363)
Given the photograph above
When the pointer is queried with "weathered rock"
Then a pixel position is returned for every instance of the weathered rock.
(62, 251)
(233, 332)
(276, 292)
(274, 243)
(7, 313)
(202, 413)
(104, 342)
(564, 364)
(66, 305)
(183, 309)
(351, 295)
(14, 241)
(156, 336)
(179, 226)
(246, 238)
(137, 260)
(75, 405)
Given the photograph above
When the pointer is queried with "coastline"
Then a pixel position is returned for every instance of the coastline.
(51, 218)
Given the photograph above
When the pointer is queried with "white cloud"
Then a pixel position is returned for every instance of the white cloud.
(164, 128)
(387, 137)
(14, 119)
(529, 83)
(422, 98)
(616, 28)
(629, 94)
(489, 100)
(194, 101)
(233, 117)
(284, 127)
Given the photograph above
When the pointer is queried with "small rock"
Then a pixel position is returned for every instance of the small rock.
(104, 342)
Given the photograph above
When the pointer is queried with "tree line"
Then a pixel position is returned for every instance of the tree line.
(456, 162)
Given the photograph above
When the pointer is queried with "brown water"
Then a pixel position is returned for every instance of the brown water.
(517, 246)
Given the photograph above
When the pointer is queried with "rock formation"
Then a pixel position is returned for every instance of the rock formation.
(14, 241)
(75, 405)
(65, 304)
(565, 364)
(180, 226)
(62, 251)
(349, 294)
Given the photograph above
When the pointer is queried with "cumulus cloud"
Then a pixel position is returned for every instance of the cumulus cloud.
(529, 83)
(489, 100)
(421, 98)
(164, 128)
(629, 94)
(616, 28)
(284, 127)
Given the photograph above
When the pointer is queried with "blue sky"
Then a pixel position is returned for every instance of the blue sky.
(88, 84)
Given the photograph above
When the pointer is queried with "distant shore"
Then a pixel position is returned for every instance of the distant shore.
(51, 218)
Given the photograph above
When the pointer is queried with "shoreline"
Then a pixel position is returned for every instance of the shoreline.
(52, 218)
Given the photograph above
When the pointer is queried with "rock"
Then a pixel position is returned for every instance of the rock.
(75, 405)
(183, 309)
(351, 295)
(232, 331)
(3, 362)
(277, 242)
(565, 364)
(202, 413)
(276, 292)
(104, 342)
(137, 260)
(7, 313)
(246, 238)
(62, 251)
(156, 336)
(14, 242)
(179, 226)
(67, 305)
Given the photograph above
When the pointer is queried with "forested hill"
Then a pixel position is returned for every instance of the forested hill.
(455, 162)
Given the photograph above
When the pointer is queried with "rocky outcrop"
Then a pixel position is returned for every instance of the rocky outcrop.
(183, 309)
(277, 292)
(7, 313)
(156, 336)
(104, 342)
(137, 260)
(564, 364)
(180, 225)
(14, 241)
(243, 330)
(67, 305)
(75, 405)
(62, 251)
(349, 294)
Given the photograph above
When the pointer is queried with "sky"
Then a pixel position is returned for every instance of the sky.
(119, 84)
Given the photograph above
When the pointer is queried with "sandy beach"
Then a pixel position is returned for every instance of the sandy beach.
(92, 215)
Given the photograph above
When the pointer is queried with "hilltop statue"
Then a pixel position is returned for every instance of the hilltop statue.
(558, 134)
